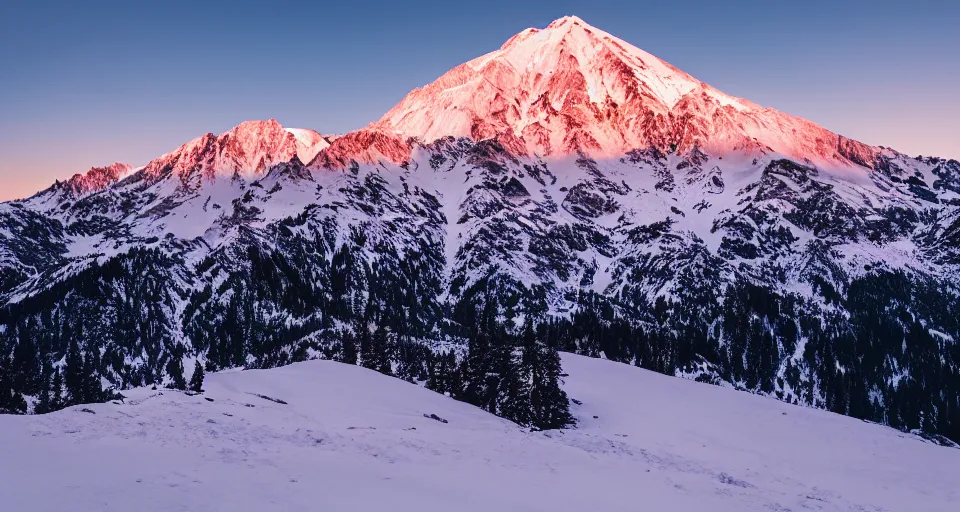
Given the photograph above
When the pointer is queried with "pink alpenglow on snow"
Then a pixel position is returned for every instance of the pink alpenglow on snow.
(567, 89)
(574, 88)
(246, 151)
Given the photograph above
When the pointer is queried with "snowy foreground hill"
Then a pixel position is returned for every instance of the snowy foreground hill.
(351, 439)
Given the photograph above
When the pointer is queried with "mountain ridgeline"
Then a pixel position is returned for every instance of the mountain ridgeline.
(567, 192)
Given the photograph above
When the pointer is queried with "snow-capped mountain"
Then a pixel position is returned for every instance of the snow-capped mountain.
(95, 180)
(247, 151)
(82, 184)
(571, 88)
(568, 180)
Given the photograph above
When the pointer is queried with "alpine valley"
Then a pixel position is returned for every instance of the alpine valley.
(567, 192)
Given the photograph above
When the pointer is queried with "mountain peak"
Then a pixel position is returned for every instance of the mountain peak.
(247, 150)
(309, 143)
(572, 88)
(95, 180)
(81, 184)
(256, 128)
(566, 21)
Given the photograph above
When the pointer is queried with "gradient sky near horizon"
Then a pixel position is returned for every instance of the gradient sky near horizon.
(86, 83)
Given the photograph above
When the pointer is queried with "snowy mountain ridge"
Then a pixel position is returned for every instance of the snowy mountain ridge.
(568, 179)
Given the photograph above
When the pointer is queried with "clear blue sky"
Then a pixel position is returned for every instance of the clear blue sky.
(86, 83)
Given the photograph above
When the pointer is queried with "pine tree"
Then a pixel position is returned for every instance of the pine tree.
(513, 386)
(434, 383)
(44, 401)
(349, 348)
(551, 407)
(175, 370)
(410, 359)
(381, 351)
(73, 378)
(374, 349)
(56, 391)
(26, 363)
(769, 359)
(474, 370)
(441, 370)
(366, 345)
(459, 378)
(499, 372)
(196, 381)
(92, 389)
(11, 402)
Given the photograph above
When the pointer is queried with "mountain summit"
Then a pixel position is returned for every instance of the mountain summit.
(248, 150)
(574, 88)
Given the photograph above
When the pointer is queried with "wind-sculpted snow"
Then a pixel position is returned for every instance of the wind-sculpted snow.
(322, 435)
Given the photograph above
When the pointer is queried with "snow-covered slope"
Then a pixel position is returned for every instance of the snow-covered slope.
(309, 143)
(351, 439)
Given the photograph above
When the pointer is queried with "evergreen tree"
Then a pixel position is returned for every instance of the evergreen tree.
(11, 401)
(44, 402)
(92, 388)
(550, 405)
(517, 380)
(349, 348)
(74, 378)
(56, 391)
(452, 375)
(196, 381)
(498, 375)
(410, 357)
(375, 354)
(366, 345)
(175, 370)
(26, 363)
(382, 344)
(474, 370)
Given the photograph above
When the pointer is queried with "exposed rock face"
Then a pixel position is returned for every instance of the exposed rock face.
(362, 146)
